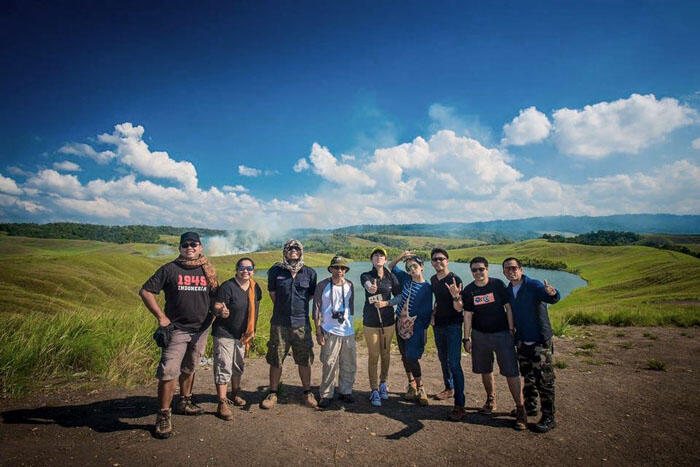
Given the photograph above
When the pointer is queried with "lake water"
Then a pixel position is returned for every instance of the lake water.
(563, 281)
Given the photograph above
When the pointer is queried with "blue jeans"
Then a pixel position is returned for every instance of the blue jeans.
(448, 340)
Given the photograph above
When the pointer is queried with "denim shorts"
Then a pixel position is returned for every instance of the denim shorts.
(484, 344)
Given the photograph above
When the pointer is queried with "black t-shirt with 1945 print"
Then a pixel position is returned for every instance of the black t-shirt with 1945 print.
(488, 305)
(187, 296)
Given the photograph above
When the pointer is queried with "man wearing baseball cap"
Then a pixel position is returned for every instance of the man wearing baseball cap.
(188, 283)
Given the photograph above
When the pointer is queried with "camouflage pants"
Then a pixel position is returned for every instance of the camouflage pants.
(536, 368)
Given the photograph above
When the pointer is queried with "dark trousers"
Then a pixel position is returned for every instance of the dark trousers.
(411, 365)
(448, 340)
(535, 363)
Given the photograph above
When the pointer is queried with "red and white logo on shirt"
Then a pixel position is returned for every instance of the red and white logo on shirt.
(191, 283)
(484, 299)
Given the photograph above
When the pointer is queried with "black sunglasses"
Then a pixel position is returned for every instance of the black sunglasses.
(246, 268)
(478, 269)
(294, 248)
(439, 258)
(189, 244)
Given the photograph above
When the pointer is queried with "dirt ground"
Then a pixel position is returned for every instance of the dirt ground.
(611, 410)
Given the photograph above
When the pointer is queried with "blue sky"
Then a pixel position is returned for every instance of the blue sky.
(277, 114)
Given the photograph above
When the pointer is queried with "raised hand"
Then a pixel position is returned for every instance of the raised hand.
(454, 289)
(551, 291)
(373, 288)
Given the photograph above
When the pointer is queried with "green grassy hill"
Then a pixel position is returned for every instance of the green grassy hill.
(70, 310)
(630, 285)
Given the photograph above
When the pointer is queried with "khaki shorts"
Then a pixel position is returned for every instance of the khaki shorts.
(284, 337)
(229, 356)
(182, 354)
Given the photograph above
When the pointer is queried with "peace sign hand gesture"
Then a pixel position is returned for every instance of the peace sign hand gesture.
(455, 290)
(551, 291)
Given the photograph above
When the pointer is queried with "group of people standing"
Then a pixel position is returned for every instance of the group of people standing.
(485, 317)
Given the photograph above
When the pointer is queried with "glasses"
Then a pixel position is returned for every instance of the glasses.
(246, 268)
(337, 268)
(439, 258)
(294, 248)
(511, 268)
(189, 244)
(411, 267)
(478, 269)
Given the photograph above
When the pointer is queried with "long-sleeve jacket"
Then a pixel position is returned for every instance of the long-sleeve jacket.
(530, 311)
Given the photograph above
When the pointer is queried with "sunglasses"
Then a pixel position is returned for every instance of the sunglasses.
(511, 268)
(337, 268)
(439, 258)
(189, 244)
(246, 268)
(478, 269)
(294, 248)
(411, 267)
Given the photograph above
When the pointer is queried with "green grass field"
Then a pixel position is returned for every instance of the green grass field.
(70, 310)
(627, 286)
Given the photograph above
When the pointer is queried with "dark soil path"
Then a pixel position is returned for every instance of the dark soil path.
(612, 410)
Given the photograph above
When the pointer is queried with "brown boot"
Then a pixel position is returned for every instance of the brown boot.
(411, 392)
(489, 406)
(421, 396)
(270, 401)
(520, 418)
(223, 411)
(457, 413)
(309, 400)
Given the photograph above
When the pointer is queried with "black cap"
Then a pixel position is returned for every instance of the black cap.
(190, 236)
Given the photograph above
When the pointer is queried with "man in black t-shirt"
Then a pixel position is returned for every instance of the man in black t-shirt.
(447, 328)
(187, 282)
(489, 321)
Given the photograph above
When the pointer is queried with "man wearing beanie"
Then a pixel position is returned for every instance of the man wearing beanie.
(188, 283)
(291, 286)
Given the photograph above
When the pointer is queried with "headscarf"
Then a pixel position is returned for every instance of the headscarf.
(296, 267)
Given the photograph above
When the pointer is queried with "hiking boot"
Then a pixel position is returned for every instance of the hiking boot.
(164, 424)
(446, 394)
(309, 400)
(411, 392)
(383, 391)
(223, 410)
(375, 398)
(530, 411)
(347, 398)
(457, 413)
(185, 406)
(520, 418)
(545, 424)
(489, 406)
(421, 396)
(270, 401)
(237, 400)
(324, 403)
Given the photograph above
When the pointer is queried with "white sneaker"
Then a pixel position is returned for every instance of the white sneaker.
(374, 399)
(383, 391)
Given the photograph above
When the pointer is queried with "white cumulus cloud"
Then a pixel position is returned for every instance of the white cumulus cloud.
(696, 143)
(530, 126)
(85, 150)
(9, 186)
(235, 188)
(249, 171)
(301, 165)
(327, 166)
(622, 126)
(66, 166)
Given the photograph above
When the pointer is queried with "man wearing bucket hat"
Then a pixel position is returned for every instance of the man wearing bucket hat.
(291, 285)
(333, 312)
(188, 283)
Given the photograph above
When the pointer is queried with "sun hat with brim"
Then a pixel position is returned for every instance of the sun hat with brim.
(378, 250)
(339, 261)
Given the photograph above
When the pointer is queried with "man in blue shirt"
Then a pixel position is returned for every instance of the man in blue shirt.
(528, 299)
(291, 285)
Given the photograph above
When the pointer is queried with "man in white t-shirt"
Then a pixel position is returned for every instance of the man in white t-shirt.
(333, 313)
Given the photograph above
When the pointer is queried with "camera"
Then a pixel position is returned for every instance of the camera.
(374, 298)
(339, 316)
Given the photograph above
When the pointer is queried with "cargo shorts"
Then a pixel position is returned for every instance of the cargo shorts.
(282, 338)
(182, 354)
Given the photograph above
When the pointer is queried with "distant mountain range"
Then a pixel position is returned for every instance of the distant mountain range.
(521, 229)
